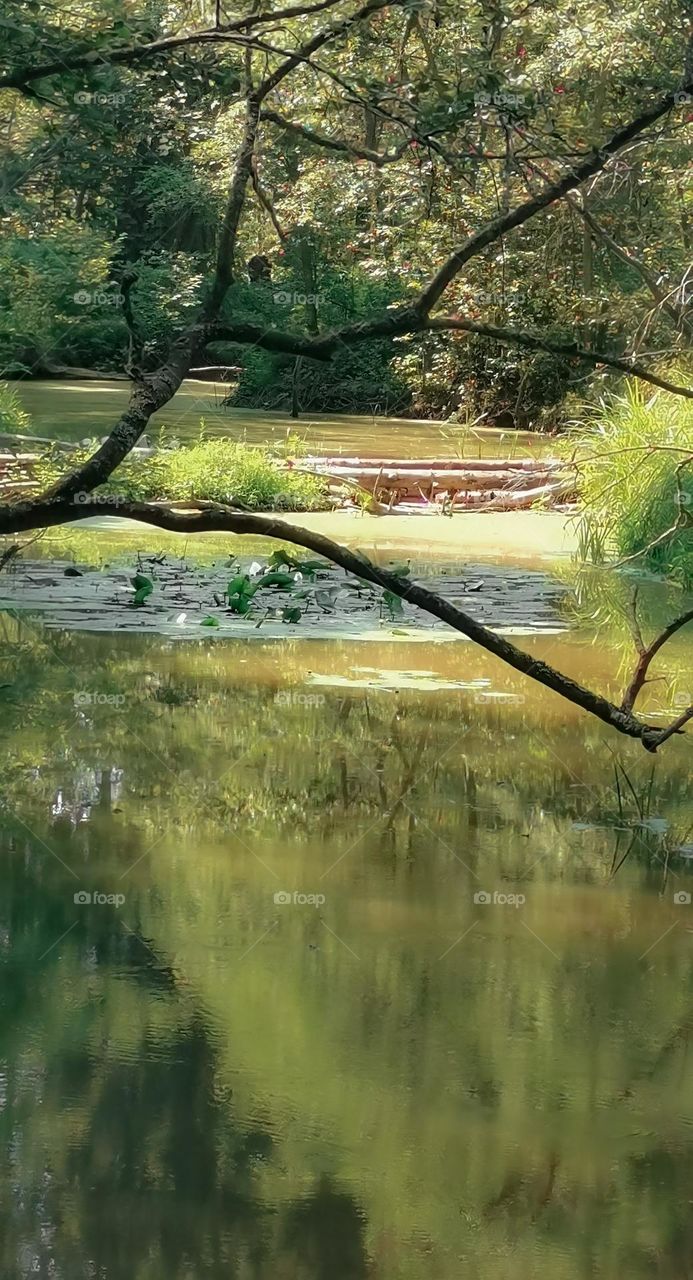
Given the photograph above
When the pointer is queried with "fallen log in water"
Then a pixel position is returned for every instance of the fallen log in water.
(393, 486)
(479, 484)
(8, 440)
(413, 479)
(463, 484)
(430, 464)
(515, 500)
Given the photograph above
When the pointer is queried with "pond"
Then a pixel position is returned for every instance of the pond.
(339, 960)
(77, 410)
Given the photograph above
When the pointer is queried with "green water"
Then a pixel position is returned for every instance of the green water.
(78, 410)
(392, 1083)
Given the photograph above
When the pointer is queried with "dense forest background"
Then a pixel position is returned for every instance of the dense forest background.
(368, 171)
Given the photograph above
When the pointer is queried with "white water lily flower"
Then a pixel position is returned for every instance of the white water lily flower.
(255, 568)
(181, 617)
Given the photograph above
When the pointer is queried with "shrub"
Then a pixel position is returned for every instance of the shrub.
(14, 420)
(213, 470)
(633, 486)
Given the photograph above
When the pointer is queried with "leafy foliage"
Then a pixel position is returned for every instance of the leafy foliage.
(636, 482)
(120, 169)
(14, 420)
(213, 469)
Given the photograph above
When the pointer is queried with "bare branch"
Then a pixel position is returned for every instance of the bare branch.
(347, 149)
(677, 726)
(265, 201)
(646, 655)
(521, 338)
(677, 314)
(554, 191)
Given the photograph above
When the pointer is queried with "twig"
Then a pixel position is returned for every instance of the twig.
(639, 676)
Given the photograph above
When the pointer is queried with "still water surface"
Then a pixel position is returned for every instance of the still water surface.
(78, 410)
(390, 1081)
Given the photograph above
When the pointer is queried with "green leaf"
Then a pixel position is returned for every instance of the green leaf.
(240, 604)
(393, 603)
(283, 580)
(141, 595)
(209, 621)
(291, 613)
(277, 558)
(309, 568)
(238, 586)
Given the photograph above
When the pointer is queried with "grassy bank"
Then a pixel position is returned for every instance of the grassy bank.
(635, 460)
(213, 470)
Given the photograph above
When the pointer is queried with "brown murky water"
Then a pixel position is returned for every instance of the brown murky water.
(77, 410)
(358, 994)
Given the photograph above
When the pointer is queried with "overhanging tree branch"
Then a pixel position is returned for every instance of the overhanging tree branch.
(95, 58)
(646, 656)
(522, 338)
(554, 191)
(152, 391)
(408, 321)
(210, 517)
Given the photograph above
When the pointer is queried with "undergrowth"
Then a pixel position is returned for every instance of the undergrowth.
(635, 457)
(212, 469)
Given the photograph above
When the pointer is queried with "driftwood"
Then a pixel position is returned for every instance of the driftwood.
(499, 484)
(519, 500)
(425, 478)
(10, 440)
(437, 464)
(483, 484)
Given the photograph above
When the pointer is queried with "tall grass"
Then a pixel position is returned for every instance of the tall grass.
(13, 418)
(635, 456)
(214, 469)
